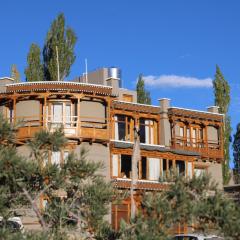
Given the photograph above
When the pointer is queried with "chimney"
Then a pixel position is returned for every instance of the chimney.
(213, 109)
(114, 83)
(164, 104)
(164, 127)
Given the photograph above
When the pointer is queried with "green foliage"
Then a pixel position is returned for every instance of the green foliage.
(187, 201)
(13, 171)
(45, 141)
(236, 155)
(143, 96)
(7, 131)
(222, 99)
(15, 74)
(85, 191)
(34, 70)
(76, 190)
(6, 235)
(221, 91)
(64, 39)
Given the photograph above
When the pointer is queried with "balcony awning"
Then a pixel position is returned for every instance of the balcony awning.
(151, 147)
(54, 86)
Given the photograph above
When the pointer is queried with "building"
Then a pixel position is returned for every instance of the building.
(100, 116)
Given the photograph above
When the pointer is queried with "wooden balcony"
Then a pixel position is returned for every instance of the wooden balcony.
(92, 129)
(125, 183)
(207, 149)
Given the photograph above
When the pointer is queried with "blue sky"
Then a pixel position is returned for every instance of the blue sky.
(165, 39)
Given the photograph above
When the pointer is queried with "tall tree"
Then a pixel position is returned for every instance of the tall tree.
(34, 70)
(222, 99)
(143, 96)
(15, 74)
(58, 50)
(236, 155)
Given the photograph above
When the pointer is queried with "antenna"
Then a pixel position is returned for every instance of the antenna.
(58, 73)
(86, 71)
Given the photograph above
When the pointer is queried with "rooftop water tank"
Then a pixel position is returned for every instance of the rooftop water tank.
(114, 72)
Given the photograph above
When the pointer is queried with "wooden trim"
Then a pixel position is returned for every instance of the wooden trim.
(14, 109)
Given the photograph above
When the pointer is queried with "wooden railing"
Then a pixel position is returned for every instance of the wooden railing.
(210, 148)
(73, 126)
(140, 184)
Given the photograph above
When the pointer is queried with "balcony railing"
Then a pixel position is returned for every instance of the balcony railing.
(140, 184)
(73, 126)
(210, 148)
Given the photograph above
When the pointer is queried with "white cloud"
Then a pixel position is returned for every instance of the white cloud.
(175, 81)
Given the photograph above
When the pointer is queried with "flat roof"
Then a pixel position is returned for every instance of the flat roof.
(194, 110)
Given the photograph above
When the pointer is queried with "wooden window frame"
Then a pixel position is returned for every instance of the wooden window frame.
(152, 129)
(129, 126)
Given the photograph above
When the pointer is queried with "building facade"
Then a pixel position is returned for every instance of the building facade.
(100, 116)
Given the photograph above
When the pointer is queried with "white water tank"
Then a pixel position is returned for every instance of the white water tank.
(114, 72)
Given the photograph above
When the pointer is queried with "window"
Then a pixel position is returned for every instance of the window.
(61, 114)
(56, 158)
(147, 131)
(194, 137)
(10, 114)
(170, 166)
(68, 115)
(143, 168)
(190, 169)
(57, 113)
(115, 163)
(167, 168)
(180, 165)
(199, 171)
(185, 238)
(126, 166)
(65, 156)
(124, 126)
(197, 136)
(127, 97)
(93, 113)
(154, 168)
(188, 137)
(181, 135)
(181, 132)
(164, 168)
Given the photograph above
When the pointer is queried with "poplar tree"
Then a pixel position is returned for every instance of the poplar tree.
(236, 155)
(15, 74)
(34, 70)
(60, 41)
(222, 100)
(143, 96)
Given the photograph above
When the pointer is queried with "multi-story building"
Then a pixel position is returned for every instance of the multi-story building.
(100, 116)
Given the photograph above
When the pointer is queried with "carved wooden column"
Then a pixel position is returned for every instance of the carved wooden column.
(45, 113)
(14, 109)
(135, 124)
(173, 132)
(221, 139)
(205, 136)
(109, 121)
(78, 117)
